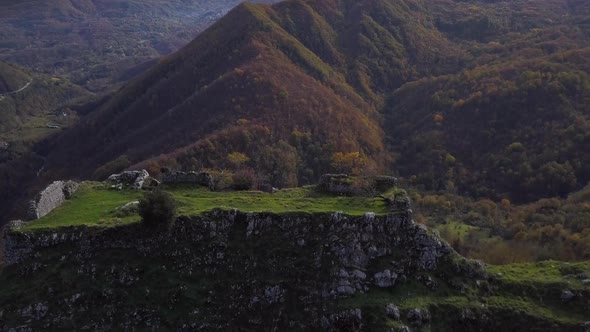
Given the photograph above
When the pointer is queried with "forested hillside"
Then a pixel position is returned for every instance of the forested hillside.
(479, 99)
(100, 43)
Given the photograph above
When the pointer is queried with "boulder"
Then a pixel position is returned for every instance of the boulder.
(130, 179)
(385, 279)
(70, 187)
(349, 320)
(418, 317)
(392, 311)
(402, 329)
(567, 296)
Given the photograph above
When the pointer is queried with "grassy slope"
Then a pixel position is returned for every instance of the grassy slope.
(516, 295)
(94, 205)
(25, 114)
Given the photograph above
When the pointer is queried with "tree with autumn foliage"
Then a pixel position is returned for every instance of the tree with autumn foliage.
(350, 163)
(237, 159)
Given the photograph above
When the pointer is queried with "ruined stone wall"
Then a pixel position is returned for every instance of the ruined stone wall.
(193, 178)
(343, 184)
(51, 198)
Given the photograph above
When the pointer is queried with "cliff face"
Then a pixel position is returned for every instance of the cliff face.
(219, 270)
(228, 270)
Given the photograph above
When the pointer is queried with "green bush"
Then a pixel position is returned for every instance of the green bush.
(244, 179)
(157, 209)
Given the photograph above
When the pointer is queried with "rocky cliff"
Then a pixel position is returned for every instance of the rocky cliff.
(229, 270)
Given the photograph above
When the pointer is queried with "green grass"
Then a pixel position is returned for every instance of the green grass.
(509, 303)
(92, 205)
(193, 201)
(95, 205)
(547, 272)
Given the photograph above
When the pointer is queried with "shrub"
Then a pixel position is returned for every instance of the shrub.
(157, 209)
(244, 179)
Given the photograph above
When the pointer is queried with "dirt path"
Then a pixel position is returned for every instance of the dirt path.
(17, 91)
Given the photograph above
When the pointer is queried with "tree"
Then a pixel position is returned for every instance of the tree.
(438, 118)
(237, 159)
(157, 209)
(351, 163)
(244, 179)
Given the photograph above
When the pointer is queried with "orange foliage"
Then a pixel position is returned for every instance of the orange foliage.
(438, 118)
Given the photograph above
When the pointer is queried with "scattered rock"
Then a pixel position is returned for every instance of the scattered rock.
(418, 317)
(273, 294)
(567, 296)
(392, 311)
(402, 329)
(132, 179)
(36, 311)
(70, 187)
(130, 205)
(350, 320)
(385, 279)
(127, 209)
(150, 182)
(4, 146)
(15, 225)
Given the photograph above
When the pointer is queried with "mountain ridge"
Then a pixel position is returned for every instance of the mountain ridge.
(290, 85)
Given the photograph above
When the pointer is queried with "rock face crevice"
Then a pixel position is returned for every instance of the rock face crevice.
(256, 265)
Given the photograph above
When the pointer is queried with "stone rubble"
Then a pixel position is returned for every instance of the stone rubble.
(130, 179)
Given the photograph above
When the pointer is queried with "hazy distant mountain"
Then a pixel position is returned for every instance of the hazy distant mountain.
(99, 42)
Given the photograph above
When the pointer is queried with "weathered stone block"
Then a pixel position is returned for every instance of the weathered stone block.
(132, 179)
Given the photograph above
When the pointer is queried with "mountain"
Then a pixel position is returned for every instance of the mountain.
(515, 123)
(33, 107)
(97, 43)
(485, 99)
(31, 102)
(272, 86)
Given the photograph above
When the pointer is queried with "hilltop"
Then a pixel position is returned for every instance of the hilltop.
(284, 260)
(498, 113)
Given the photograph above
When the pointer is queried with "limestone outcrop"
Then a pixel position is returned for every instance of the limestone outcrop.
(129, 179)
(51, 198)
(329, 254)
